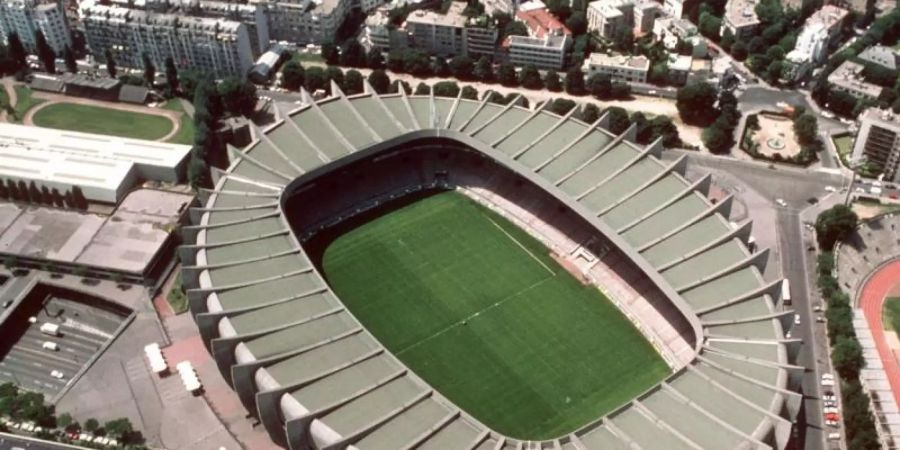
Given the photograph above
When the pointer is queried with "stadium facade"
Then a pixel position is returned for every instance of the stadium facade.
(317, 379)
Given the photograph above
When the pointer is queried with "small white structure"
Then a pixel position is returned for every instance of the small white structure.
(50, 345)
(51, 329)
(155, 357)
(188, 376)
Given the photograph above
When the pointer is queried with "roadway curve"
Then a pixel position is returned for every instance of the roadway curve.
(871, 299)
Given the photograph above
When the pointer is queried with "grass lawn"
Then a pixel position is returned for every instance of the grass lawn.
(24, 101)
(844, 145)
(892, 313)
(185, 134)
(308, 57)
(96, 119)
(477, 308)
(177, 298)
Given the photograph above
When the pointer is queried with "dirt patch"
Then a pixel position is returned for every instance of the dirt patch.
(775, 136)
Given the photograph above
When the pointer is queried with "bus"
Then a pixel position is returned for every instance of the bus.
(786, 291)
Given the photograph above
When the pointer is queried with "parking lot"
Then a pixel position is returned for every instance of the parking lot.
(44, 362)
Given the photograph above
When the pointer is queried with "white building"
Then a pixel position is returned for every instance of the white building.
(215, 46)
(104, 167)
(27, 17)
(451, 33)
(674, 8)
(740, 18)
(671, 31)
(610, 17)
(878, 141)
(545, 53)
(883, 56)
(645, 14)
(619, 67)
(848, 78)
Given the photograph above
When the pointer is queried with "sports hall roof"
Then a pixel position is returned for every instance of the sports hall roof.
(287, 342)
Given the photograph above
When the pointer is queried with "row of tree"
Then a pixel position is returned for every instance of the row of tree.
(30, 193)
(834, 225)
(701, 104)
(27, 406)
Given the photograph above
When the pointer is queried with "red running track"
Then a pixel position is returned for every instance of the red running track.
(874, 292)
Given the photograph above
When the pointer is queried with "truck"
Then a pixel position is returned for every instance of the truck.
(51, 329)
(786, 291)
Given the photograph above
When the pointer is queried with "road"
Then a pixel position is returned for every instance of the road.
(804, 193)
(12, 442)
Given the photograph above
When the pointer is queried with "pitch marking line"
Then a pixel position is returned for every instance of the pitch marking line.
(532, 255)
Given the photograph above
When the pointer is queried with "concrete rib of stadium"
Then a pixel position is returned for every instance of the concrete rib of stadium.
(307, 368)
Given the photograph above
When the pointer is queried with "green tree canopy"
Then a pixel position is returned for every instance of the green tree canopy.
(293, 75)
(695, 103)
(834, 225)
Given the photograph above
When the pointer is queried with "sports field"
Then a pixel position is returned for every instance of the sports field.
(477, 308)
(94, 119)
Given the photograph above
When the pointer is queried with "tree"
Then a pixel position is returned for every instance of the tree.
(314, 79)
(617, 118)
(710, 25)
(515, 28)
(23, 191)
(468, 92)
(149, 70)
(57, 198)
(834, 225)
(530, 78)
(462, 67)
(806, 128)
(171, 77)
(600, 85)
(4, 192)
(330, 54)
(34, 194)
(64, 420)
(590, 113)
(110, 63)
(717, 138)
(440, 68)
(847, 357)
(507, 75)
(623, 39)
(552, 81)
(353, 54)
(379, 81)
(398, 85)
(16, 50)
(422, 89)
(13, 189)
(91, 425)
(561, 106)
(292, 75)
(197, 175)
(353, 82)
(46, 196)
(484, 70)
(695, 103)
(69, 58)
(577, 23)
(446, 89)
(416, 62)
(239, 96)
(659, 74)
(119, 427)
(395, 60)
(559, 8)
(45, 52)
(374, 59)
(620, 90)
(574, 82)
(78, 198)
(739, 51)
(727, 40)
(841, 102)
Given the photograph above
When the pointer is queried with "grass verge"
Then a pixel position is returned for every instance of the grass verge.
(185, 134)
(96, 119)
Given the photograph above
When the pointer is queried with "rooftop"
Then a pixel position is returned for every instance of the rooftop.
(631, 62)
(849, 76)
(555, 42)
(453, 18)
(741, 13)
(883, 56)
(881, 115)
(541, 23)
(828, 15)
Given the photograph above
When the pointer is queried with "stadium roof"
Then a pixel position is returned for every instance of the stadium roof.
(293, 353)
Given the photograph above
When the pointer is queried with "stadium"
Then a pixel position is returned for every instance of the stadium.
(395, 271)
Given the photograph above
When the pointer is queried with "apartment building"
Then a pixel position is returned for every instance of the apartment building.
(27, 17)
(645, 14)
(883, 56)
(608, 18)
(619, 67)
(671, 31)
(819, 32)
(306, 21)
(451, 33)
(548, 52)
(848, 78)
(878, 141)
(215, 46)
(674, 8)
(740, 18)
(541, 23)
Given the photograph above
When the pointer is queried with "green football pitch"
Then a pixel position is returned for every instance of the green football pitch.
(95, 119)
(478, 309)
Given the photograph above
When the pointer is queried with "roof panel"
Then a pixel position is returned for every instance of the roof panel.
(598, 170)
(406, 427)
(707, 263)
(351, 128)
(527, 133)
(269, 291)
(622, 184)
(645, 201)
(301, 335)
(686, 240)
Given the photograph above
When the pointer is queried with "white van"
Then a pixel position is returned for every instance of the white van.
(48, 345)
(50, 328)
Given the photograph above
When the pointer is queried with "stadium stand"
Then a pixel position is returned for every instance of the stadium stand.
(874, 242)
(317, 379)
